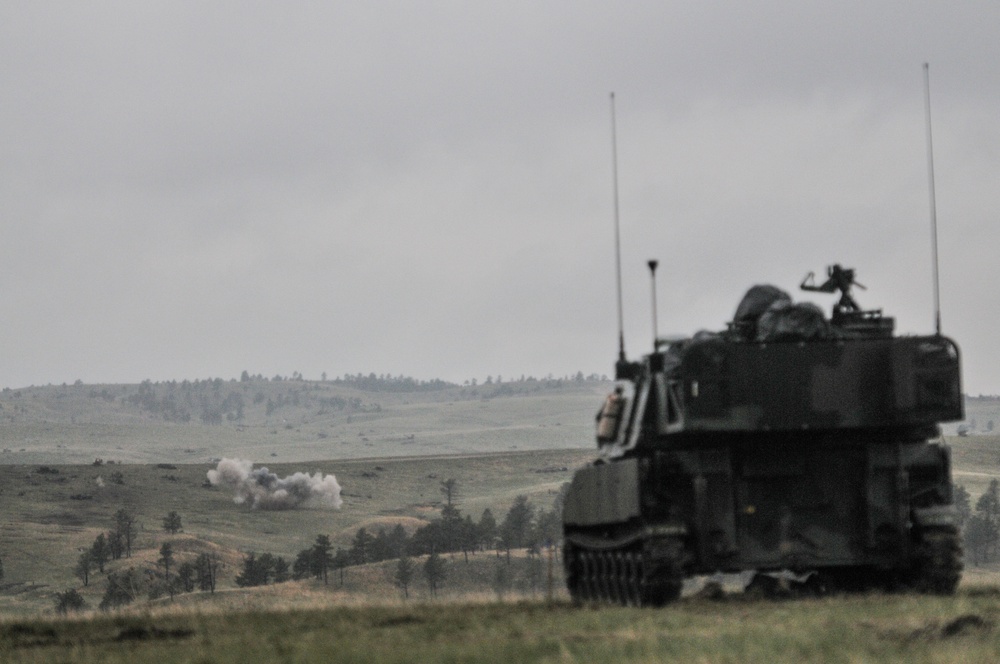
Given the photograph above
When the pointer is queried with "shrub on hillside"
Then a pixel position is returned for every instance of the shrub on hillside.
(71, 600)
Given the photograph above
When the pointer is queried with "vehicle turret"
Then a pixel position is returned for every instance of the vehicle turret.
(787, 441)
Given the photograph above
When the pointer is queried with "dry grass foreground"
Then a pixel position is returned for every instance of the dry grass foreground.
(872, 628)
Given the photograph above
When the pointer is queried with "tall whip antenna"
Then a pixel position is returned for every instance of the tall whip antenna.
(618, 247)
(930, 178)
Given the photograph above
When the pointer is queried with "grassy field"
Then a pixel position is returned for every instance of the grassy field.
(975, 461)
(48, 517)
(390, 452)
(872, 628)
(289, 421)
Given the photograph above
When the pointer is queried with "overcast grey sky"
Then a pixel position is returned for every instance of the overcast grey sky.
(191, 189)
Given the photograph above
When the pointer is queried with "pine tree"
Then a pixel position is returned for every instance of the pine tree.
(547, 530)
(302, 567)
(207, 571)
(322, 559)
(962, 502)
(186, 577)
(398, 540)
(264, 572)
(449, 488)
(248, 577)
(70, 600)
(517, 524)
(980, 535)
(100, 552)
(989, 502)
(451, 528)
(361, 547)
(172, 523)
(166, 559)
(84, 564)
(404, 574)
(123, 588)
(434, 570)
(125, 528)
(382, 546)
(281, 570)
(468, 537)
(116, 544)
(340, 562)
(487, 528)
(986, 530)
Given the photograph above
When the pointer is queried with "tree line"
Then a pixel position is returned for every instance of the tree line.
(215, 401)
(126, 585)
(523, 526)
(980, 524)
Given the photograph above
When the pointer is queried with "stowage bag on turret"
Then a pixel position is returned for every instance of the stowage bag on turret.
(767, 313)
(756, 301)
(788, 322)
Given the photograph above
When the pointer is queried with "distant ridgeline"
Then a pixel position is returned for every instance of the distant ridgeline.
(251, 399)
(386, 383)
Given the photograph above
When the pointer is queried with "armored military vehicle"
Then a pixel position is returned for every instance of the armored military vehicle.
(789, 444)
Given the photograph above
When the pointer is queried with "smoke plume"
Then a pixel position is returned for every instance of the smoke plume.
(264, 490)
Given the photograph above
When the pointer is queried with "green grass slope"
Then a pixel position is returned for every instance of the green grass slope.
(290, 420)
(390, 449)
(48, 514)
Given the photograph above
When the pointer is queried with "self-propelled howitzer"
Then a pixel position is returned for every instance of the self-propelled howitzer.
(790, 442)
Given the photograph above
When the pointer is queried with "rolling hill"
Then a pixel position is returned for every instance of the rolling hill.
(72, 455)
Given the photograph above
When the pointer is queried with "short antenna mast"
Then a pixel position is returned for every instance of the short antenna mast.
(618, 248)
(652, 275)
(930, 179)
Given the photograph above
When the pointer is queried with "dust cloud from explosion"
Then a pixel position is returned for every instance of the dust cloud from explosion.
(264, 490)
